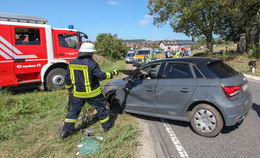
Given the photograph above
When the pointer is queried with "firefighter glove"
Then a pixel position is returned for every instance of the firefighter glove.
(115, 72)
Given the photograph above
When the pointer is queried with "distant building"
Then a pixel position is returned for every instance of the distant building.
(134, 41)
(139, 43)
(175, 45)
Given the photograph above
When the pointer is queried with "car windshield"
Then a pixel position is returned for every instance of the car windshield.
(142, 52)
(130, 54)
(221, 69)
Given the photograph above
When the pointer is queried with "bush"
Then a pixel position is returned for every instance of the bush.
(256, 52)
(203, 54)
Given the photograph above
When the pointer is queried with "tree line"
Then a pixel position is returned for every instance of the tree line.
(229, 19)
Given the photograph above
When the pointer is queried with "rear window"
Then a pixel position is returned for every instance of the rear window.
(222, 70)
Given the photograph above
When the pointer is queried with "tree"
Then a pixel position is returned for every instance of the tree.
(110, 46)
(241, 17)
(196, 18)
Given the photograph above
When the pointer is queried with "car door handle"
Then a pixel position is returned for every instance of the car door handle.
(185, 90)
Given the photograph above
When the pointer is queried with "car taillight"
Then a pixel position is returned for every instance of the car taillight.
(231, 91)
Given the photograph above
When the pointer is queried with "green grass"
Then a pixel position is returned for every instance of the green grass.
(30, 124)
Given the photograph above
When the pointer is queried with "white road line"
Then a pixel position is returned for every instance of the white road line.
(253, 81)
(182, 152)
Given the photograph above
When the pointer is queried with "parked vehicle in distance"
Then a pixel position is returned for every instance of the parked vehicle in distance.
(130, 57)
(203, 91)
(33, 52)
(139, 56)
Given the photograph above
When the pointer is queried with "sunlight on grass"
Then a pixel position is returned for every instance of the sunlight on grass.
(30, 125)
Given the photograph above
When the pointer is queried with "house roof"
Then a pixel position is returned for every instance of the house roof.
(177, 42)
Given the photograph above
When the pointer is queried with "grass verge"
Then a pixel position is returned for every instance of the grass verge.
(30, 124)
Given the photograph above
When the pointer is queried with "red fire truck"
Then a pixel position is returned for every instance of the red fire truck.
(31, 51)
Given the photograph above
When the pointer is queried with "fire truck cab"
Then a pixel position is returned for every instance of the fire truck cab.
(31, 51)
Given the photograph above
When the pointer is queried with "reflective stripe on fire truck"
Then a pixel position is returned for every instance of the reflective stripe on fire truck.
(9, 51)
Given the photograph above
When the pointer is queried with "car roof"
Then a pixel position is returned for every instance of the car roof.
(194, 60)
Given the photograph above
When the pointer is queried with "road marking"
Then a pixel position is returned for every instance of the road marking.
(182, 152)
(253, 81)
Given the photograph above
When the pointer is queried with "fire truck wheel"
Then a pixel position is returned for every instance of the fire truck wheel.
(55, 79)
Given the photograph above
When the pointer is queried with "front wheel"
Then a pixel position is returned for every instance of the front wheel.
(206, 120)
(55, 79)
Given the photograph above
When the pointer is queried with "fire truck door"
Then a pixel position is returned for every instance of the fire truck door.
(30, 53)
(7, 76)
(66, 44)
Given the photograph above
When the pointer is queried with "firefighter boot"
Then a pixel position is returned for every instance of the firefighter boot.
(64, 134)
(109, 124)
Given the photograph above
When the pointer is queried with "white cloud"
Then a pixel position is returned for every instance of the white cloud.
(113, 2)
(146, 20)
(143, 22)
(147, 16)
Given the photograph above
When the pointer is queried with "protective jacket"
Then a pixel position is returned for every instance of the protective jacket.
(83, 78)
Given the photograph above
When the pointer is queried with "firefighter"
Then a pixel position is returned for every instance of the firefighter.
(82, 80)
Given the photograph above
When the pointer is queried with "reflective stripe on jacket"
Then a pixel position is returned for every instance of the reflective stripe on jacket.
(83, 76)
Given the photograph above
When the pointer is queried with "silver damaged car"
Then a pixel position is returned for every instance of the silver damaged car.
(203, 91)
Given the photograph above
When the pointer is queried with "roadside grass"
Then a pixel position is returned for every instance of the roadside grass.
(30, 124)
(240, 64)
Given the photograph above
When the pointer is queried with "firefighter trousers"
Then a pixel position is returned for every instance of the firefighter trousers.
(76, 105)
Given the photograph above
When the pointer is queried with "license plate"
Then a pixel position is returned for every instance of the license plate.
(245, 87)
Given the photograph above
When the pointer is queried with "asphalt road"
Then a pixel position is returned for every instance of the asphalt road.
(176, 139)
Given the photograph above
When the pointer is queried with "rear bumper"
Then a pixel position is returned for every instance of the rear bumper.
(239, 110)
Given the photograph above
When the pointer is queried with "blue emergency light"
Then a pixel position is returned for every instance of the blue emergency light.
(71, 27)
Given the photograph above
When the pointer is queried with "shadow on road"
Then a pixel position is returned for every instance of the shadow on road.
(225, 130)
(228, 129)
(256, 108)
(153, 119)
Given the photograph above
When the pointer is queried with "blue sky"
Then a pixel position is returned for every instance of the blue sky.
(127, 18)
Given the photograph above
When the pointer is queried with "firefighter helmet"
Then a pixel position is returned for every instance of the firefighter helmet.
(87, 47)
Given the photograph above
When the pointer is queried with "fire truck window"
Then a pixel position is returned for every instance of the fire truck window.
(68, 41)
(27, 36)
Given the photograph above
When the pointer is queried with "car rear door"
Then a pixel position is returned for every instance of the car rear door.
(175, 88)
(142, 96)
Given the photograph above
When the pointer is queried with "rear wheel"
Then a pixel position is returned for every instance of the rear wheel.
(206, 120)
(55, 79)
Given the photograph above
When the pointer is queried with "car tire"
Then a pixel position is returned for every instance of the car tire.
(55, 79)
(206, 120)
